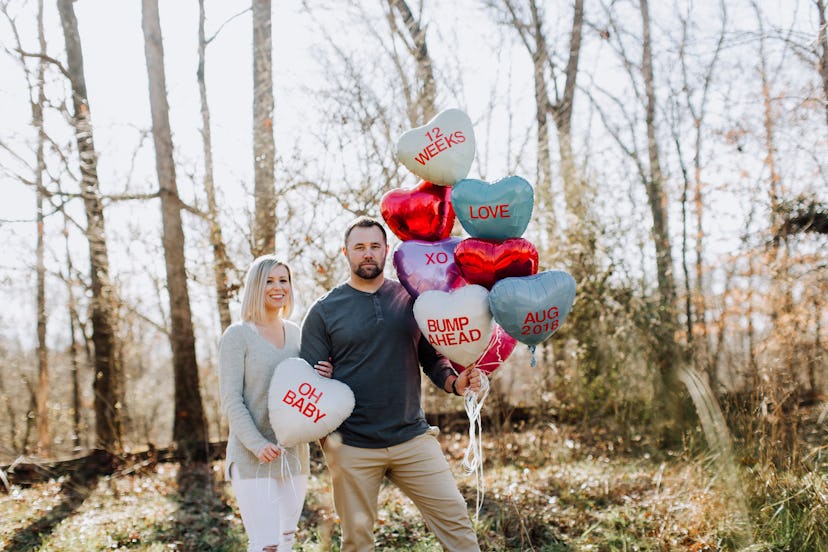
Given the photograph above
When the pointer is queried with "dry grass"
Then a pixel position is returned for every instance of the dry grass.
(545, 489)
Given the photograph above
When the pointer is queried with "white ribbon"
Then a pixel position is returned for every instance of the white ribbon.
(473, 458)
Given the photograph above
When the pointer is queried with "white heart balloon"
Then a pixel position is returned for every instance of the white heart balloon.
(457, 323)
(442, 150)
(303, 406)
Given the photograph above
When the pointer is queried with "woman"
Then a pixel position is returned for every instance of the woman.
(269, 481)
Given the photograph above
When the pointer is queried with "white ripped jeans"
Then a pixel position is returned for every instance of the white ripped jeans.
(270, 509)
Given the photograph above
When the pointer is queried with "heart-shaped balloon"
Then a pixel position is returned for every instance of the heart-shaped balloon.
(457, 323)
(494, 211)
(422, 265)
(422, 213)
(485, 262)
(497, 351)
(303, 406)
(532, 308)
(442, 150)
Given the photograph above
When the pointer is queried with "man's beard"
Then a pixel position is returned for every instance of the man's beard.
(369, 271)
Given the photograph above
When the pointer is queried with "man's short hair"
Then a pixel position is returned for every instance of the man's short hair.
(365, 222)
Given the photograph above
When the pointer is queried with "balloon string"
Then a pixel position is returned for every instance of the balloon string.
(473, 458)
(287, 472)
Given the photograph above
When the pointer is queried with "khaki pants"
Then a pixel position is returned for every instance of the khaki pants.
(419, 469)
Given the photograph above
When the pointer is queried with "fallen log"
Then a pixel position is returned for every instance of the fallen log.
(95, 463)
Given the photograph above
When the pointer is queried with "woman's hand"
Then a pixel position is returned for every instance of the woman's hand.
(269, 453)
(324, 368)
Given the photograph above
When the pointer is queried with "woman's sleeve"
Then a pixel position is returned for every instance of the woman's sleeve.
(232, 355)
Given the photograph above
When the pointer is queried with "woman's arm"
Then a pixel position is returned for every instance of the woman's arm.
(232, 357)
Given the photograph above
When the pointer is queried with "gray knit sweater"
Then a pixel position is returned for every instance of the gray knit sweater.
(246, 364)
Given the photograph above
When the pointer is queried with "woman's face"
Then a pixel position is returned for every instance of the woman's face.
(277, 288)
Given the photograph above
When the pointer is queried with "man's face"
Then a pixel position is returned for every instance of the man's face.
(366, 251)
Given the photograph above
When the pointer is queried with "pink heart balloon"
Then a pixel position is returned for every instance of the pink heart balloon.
(498, 350)
(422, 213)
(423, 266)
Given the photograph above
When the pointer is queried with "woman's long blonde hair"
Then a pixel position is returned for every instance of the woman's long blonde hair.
(253, 298)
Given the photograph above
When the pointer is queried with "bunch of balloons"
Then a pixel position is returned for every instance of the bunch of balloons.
(475, 297)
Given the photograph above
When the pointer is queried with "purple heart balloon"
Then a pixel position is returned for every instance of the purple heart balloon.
(423, 266)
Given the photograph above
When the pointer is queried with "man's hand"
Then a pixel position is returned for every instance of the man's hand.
(468, 379)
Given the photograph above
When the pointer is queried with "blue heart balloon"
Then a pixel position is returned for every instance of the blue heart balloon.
(532, 308)
(493, 211)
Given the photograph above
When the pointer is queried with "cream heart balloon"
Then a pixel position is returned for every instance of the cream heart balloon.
(442, 150)
(457, 323)
(303, 406)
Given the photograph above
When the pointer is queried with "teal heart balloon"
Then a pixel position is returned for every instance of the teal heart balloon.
(493, 211)
(532, 308)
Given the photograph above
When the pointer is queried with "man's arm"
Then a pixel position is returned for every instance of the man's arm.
(442, 373)
(316, 344)
(436, 366)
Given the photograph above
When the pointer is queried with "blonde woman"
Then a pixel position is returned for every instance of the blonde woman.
(269, 481)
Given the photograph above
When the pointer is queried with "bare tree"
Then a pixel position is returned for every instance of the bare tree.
(776, 383)
(693, 97)
(74, 346)
(42, 394)
(220, 260)
(264, 144)
(555, 89)
(373, 104)
(529, 27)
(422, 102)
(822, 48)
(667, 357)
(189, 427)
(108, 383)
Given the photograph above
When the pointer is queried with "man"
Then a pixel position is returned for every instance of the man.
(366, 327)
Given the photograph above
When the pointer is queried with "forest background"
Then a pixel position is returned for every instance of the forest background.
(678, 153)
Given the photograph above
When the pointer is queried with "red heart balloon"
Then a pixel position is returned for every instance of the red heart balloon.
(484, 262)
(424, 213)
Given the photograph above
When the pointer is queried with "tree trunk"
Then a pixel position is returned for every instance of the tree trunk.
(73, 354)
(697, 315)
(777, 380)
(575, 192)
(75, 325)
(822, 48)
(220, 261)
(264, 145)
(108, 386)
(549, 222)
(666, 350)
(43, 438)
(533, 36)
(815, 358)
(189, 427)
